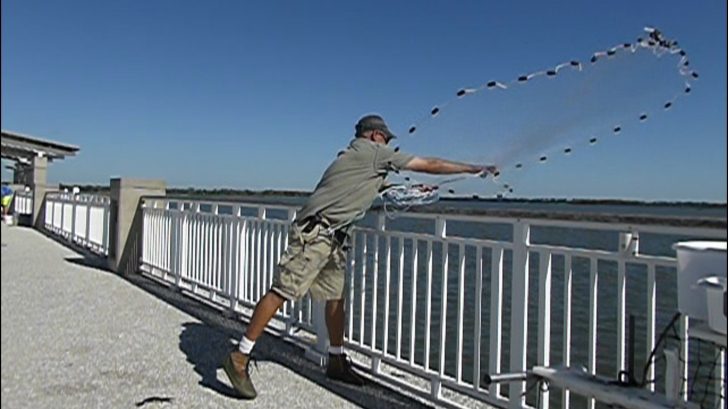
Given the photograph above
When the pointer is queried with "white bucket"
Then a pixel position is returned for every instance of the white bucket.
(8, 219)
(696, 260)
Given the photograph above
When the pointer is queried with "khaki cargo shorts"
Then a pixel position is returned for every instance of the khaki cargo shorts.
(313, 261)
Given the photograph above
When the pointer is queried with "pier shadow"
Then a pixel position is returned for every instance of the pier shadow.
(90, 261)
(206, 343)
(83, 257)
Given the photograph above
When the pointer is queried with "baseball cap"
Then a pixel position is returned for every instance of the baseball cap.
(373, 123)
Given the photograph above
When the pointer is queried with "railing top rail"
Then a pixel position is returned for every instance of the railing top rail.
(79, 198)
(712, 227)
(700, 226)
(222, 201)
(542, 217)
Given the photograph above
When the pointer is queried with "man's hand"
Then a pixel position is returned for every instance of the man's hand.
(484, 171)
(425, 188)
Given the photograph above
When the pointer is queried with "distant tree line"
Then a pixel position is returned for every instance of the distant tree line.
(195, 191)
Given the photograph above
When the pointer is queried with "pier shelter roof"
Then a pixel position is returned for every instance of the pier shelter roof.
(22, 148)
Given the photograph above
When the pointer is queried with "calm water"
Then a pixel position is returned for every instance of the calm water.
(636, 297)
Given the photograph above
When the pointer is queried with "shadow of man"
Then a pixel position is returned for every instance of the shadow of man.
(205, 348)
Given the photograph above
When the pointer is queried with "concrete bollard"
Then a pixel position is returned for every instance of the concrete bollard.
(126, 221)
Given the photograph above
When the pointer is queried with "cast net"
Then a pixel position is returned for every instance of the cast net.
(544, 116)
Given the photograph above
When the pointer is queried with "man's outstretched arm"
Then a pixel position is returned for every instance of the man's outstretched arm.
(439, 166)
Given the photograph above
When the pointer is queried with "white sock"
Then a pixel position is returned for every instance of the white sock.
(336, 350)
(246, 345)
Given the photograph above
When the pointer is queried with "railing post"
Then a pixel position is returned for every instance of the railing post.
(260, 254)
(319, 352)
(496, 317)
(629, 243)
(435, 388)
(376, 364)
(155, 236)
(628, 247)
(244, 259)
(519, 310)
(214, 267)
(87, 234)
(544, 318)
(436, 379)
(234, 268)
(58, 216)
(74, 209)
(174, 243)
(183, 240)
(45, 215)
(63, 217)
(49, 216)
(105, 233)
(672, 375)
(440, 228)
(193, 287)
(381, 222)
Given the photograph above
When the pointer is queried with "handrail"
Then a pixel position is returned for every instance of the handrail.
(81, 219)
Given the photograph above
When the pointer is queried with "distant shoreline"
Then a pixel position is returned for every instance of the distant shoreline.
(225, 192)
(576, 201)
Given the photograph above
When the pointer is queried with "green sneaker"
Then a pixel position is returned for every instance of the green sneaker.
(340, 369)
(237, 368)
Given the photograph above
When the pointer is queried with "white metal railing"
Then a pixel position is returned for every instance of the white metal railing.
(228, 258)
(23, 202)
(447, 299)
(82, 219)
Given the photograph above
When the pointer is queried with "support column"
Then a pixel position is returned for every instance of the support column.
(125, 221)
(39, 183)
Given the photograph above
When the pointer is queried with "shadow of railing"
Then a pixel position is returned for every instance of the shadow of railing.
(205, 344)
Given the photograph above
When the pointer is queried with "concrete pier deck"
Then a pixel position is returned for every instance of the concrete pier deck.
(75, 335)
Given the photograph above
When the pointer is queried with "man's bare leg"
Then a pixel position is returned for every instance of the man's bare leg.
(339, 366)
(335, 322)
(263, 313)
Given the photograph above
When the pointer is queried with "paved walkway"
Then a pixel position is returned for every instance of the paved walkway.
(77, 336)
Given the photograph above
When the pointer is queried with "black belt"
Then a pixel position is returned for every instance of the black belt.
(308, 223)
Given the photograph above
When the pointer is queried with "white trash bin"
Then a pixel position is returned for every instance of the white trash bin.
(697, 260)
(715, 287)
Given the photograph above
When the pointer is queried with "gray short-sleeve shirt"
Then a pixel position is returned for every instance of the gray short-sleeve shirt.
(352, 182)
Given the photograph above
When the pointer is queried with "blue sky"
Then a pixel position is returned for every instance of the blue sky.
(263, 94)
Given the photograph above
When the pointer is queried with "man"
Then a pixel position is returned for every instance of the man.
(315, 257)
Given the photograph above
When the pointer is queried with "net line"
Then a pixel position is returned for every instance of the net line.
(700, 386)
